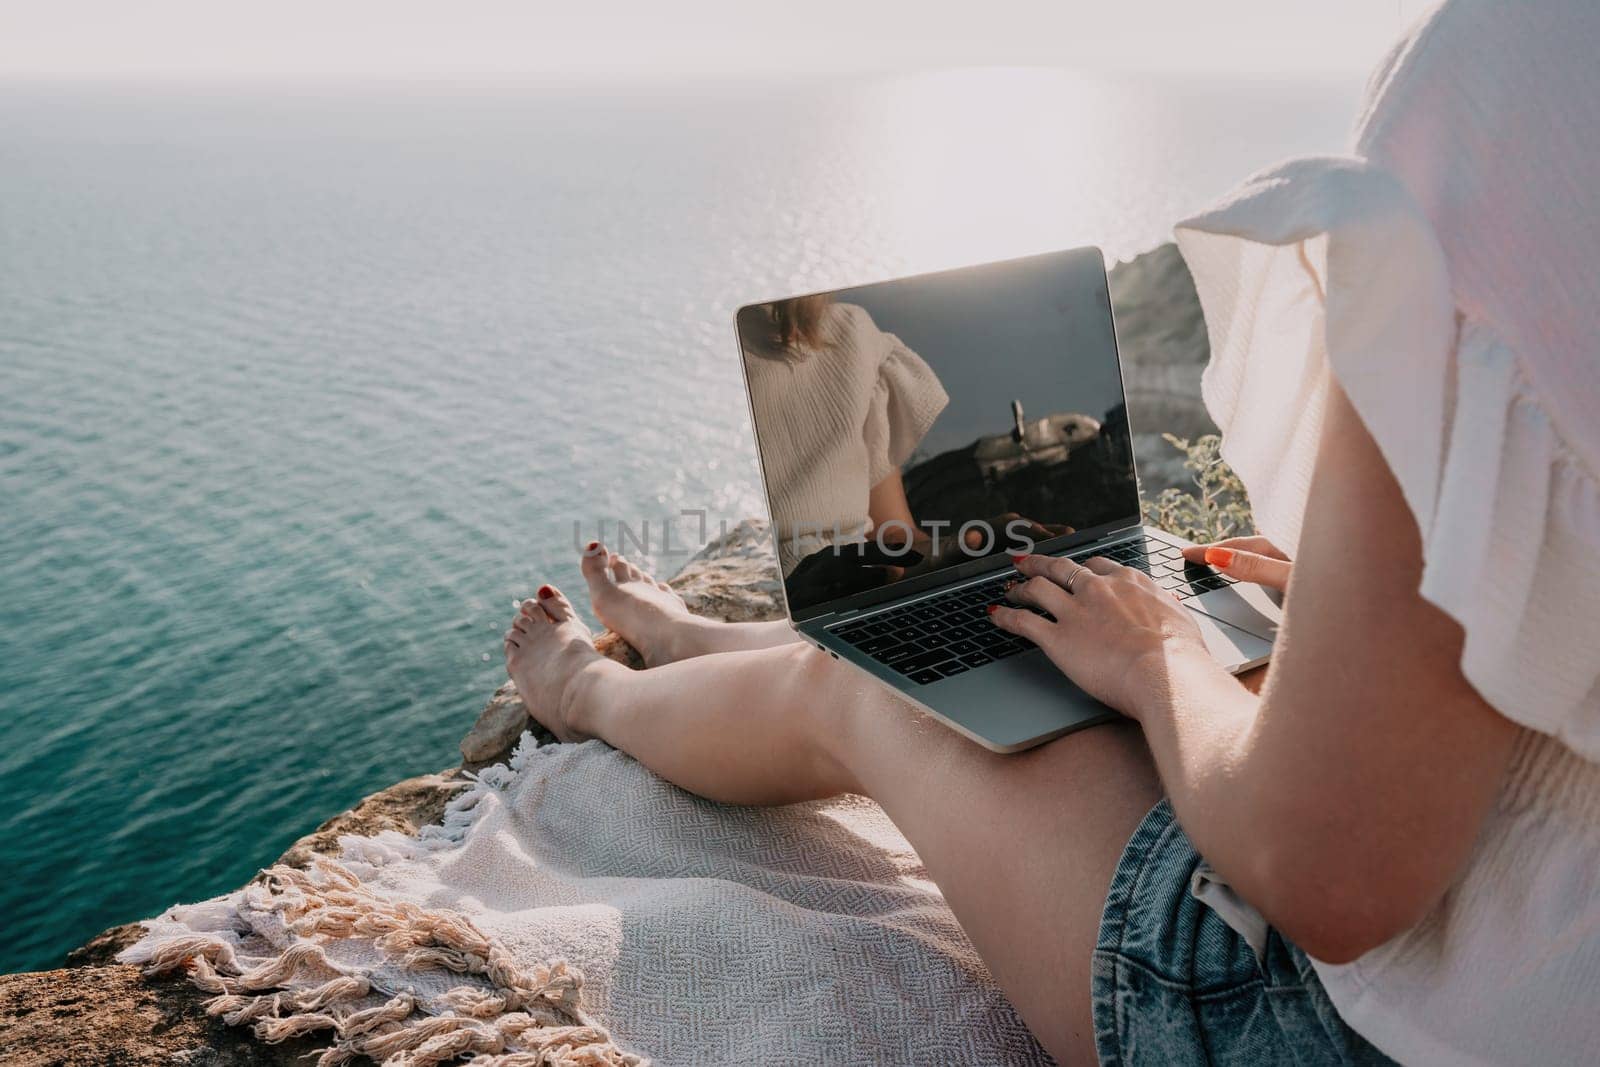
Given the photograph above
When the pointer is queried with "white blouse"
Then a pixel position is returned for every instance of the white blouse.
(1447, 273)
(832, 422)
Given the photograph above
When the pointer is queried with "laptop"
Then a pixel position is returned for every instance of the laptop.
(914, 433)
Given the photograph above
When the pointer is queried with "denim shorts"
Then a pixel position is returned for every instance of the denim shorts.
(1174, 983)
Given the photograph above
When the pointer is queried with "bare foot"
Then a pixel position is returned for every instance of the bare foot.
(549, 655)
(646, 612)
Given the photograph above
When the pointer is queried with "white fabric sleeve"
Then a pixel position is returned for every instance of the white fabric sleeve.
(905, 402)
(1329, 265)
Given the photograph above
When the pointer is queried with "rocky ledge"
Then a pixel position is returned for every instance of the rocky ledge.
(95, 1011)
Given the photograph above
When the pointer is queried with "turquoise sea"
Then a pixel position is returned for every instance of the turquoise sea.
(301, 385)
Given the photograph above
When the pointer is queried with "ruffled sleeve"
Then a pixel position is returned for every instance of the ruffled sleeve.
(905, 401)
(1330, 265)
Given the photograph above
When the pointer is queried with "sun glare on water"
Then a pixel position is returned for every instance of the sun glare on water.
(989, 162)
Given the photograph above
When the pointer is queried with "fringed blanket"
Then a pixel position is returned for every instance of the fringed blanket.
(574, 909)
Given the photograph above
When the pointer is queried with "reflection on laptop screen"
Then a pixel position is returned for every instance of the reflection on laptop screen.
(935, 422)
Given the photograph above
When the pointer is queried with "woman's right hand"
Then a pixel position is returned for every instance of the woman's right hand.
(1249, 559)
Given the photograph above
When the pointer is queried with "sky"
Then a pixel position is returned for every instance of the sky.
(497, 39)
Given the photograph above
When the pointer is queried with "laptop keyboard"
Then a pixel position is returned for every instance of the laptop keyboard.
(951, 633)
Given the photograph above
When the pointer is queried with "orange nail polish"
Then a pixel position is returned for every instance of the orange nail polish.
(1018, 557)
(992, 608)
(1219, 557)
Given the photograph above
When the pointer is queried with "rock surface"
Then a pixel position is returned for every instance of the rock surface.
(95, 1016)
(1161, 333)
(95, 1011)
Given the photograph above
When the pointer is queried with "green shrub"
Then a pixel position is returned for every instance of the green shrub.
(1217, 507)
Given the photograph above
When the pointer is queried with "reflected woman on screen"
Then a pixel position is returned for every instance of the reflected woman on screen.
(842, 406)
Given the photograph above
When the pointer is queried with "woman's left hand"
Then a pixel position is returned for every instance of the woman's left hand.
(1115, 631)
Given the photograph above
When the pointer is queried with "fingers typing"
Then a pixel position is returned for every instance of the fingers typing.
(1041, 592)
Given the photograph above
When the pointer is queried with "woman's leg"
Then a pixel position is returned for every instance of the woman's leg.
(1022, 846)
(653, 618)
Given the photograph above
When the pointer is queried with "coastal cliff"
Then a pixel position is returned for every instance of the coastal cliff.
(96, 1011)
(1161, 335)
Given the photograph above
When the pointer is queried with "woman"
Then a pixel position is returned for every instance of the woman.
(1401, 833)
(842, 405)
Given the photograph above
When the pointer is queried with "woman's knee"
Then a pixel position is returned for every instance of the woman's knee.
(819, 682)
(829, 700)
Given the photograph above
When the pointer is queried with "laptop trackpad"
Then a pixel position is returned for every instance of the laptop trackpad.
(1235, 649)
(1250, 607)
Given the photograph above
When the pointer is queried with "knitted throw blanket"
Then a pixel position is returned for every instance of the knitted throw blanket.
(574, 909)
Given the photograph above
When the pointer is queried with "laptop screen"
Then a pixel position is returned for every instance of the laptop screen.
(918, 430)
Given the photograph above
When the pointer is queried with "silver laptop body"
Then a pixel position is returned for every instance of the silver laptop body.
(1032, 446)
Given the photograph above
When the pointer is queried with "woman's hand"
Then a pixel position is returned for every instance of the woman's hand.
(1115, 631)
(1249, 559)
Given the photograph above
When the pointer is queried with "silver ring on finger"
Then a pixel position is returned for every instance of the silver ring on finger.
(1077, 569)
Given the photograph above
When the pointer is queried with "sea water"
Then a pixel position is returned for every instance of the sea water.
(301, 386)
